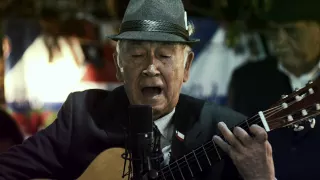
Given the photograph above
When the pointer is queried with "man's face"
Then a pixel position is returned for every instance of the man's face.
(296, 44)
(153, 73)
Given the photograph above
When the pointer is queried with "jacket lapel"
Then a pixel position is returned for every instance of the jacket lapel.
(187, 112)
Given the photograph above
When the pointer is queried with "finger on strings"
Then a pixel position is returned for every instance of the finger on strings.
(228, 135)
(222, 144)
(242, 135)
(259, 133)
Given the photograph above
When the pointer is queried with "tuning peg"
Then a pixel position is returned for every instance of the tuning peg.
(310, 82)
(298, 98)
(311, 91)
(317, 106)
(304, 112)
(284, 96)
(290, 118)
(312, 122)
(284, 105)
(298, 128)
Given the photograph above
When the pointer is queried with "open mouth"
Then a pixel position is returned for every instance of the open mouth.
(151, 91)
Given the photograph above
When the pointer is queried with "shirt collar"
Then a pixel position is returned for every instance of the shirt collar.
(163, 123)
(307, 76)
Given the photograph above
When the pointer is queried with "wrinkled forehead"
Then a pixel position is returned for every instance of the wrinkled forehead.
(148, 44)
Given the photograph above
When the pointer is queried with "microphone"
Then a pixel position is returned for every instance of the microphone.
(141, 138)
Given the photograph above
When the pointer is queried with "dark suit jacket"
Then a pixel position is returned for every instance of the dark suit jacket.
(257, 86)
(94, 120)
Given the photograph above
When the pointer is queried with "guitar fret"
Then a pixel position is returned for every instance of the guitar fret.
(164, 177)
(215, 147)
(188, 165)
(171, 173)
(197, 160)
(180, 170)
(247, 123)
(206, 155)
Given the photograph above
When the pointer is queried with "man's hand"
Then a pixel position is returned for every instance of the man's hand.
(251, 155)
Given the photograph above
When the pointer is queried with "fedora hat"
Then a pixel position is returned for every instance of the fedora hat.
(155, 20)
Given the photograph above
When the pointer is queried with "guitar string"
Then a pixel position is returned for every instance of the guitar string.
(268, 114)
(277, 107)
(202, 153)
(191, 160)
(276, 121)
(174, 168)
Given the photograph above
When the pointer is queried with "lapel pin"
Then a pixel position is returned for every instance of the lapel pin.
(179, 135)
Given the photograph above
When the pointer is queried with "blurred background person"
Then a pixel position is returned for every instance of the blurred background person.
(256, 86)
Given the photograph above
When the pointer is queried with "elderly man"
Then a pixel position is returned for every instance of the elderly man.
(257, 85)
(153, 60)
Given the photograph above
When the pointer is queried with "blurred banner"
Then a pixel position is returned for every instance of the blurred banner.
(36, 87)
(213, 66)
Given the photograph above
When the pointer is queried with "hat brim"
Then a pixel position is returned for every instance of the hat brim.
(151, 36)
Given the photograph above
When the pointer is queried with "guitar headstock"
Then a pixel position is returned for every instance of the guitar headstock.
(300, 106)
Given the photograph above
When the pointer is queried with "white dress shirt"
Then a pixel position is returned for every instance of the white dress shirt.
(301, 81)
(166, 129)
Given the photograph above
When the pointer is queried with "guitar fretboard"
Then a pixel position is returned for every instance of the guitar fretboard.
(198, 160)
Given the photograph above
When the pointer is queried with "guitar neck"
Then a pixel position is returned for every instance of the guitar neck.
(301, 105)
(199, 159)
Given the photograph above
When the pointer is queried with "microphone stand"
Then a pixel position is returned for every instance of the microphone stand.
(143, 146)
(147, 172)
(150, 173)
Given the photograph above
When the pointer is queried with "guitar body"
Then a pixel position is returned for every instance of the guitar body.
(107, 165)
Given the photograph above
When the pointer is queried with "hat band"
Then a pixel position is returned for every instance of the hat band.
(154, 26)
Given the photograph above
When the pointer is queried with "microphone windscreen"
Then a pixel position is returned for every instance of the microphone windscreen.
(140, 118)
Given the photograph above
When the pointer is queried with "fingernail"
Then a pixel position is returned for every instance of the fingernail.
(222, 123)
(217, 139)
(214, 137)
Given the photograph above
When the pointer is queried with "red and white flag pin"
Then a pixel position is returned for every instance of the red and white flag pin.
(179, 135)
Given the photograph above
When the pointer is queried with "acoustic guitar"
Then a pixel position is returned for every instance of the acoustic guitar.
(291, 111)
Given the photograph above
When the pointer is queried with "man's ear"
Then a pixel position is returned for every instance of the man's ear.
(188, 66)
(118, 71)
